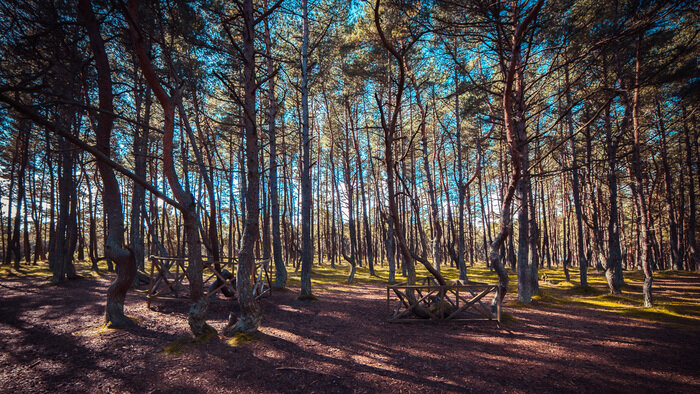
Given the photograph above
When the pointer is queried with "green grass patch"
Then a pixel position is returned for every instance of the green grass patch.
(41, 270)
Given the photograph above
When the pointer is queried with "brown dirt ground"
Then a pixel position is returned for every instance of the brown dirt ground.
(51, 342)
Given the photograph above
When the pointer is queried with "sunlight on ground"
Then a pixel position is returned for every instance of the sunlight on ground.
(555, 290)
(676, 294)
(41, 270)
(668, 307)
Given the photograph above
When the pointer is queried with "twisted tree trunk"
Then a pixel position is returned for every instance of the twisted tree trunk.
(200, 304)
(114, 250)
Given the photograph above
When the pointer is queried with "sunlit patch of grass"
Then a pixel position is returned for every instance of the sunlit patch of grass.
(41, 271)
(545, 298)
(663, 311)
(37, 271)
(629, 304)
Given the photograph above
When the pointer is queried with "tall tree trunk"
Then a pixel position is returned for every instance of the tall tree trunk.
(114, 250)
(250, 310)
(24, 130)
(138, 196)
(645, 230)
(691, 162)
(676, 259)
(200, 304)
(57, 255)
(306, 241)
(434, 216)
(350, 190)
(533, 242)
(525, 288)
(515, 131)
(361, 176)
(462, 188)
(583, 263)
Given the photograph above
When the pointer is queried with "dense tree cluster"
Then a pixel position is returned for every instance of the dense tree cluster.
(517, 134)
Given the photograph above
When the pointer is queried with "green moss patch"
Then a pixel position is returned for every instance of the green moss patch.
(240, 338)
(180, 345)
(184, 343)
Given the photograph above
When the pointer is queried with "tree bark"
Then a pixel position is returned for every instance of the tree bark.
(676, 259)
(251, 314)
(583, 263)
(389, 126)
(114, 250)
(306, 241)
(691, 162)
(434, 215)
(645, 230)
(138, 196)
(200, 304)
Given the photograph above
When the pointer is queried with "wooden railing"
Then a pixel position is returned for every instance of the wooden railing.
(429, 301)
(168, 279)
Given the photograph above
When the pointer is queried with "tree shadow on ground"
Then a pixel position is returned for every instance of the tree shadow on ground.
(341, 343)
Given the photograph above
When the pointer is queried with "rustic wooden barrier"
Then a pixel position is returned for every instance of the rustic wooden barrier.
(168, 279)
(430, 301)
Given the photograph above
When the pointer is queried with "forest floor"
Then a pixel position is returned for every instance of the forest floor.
(570, 339)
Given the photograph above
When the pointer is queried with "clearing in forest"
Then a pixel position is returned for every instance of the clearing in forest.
(569, 339)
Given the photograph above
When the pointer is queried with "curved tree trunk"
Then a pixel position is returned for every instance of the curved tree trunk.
(389, 123)
(200, 304)
(516, 140)
(434, 216)
(114, 250)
